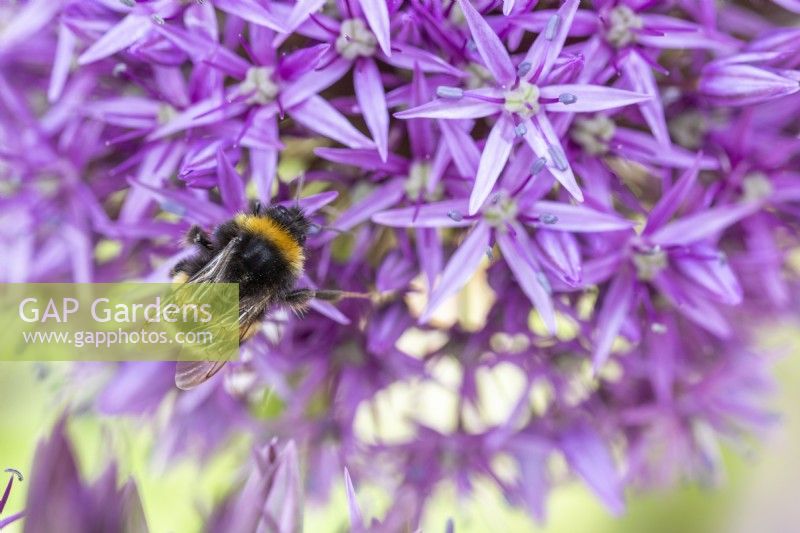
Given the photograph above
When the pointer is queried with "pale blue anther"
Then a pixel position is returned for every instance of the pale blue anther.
(544, 282)
(453, 93)
(567, 98)
(538, 165)
(559, 160)
(552, 27)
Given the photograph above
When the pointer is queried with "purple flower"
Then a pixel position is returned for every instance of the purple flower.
(515, 206)
(735, 81)
(271, 498)
(522, 95)
(58, 499)
(613, 183)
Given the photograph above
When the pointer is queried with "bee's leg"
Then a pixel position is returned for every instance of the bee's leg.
(255, 207)
(332, 295)
(298, 300)
(197, 235)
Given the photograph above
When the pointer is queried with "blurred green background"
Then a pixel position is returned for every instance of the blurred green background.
(757, 494)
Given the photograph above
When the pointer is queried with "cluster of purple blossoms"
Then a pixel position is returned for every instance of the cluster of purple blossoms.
(583, 201)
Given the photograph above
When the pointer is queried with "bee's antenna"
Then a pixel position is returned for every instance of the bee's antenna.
(301, 180)
(318, 228)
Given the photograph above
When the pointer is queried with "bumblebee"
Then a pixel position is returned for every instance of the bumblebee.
(264, 252)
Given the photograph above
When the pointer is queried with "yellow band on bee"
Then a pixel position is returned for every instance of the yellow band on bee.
(276, 234)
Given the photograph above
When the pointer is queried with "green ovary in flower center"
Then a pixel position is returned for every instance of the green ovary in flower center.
(258, 81)
(522, 100)
(593, 134)
(622, 23)
(502, 210)
(649, 263)
(355, 40)
(418, 176)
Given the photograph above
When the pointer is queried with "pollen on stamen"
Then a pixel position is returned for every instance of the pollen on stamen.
(524, 68)
(548, 219)
(520, 130)
(452, 93)
(158, 19)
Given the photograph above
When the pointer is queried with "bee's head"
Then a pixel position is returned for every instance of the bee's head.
(291, 218)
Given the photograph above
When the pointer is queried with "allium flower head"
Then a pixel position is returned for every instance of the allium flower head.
(570, 218)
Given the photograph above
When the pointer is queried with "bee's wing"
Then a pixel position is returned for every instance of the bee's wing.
(214, 270)
(190, 374)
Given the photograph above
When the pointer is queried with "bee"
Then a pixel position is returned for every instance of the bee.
(264, 252)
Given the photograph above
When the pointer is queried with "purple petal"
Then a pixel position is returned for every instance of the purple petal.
(460, 268)
(381, 198)
(543, 140)
(365, 159)
(644, 148)
(446, 214)
(465, 154)
(716, 276)
(122, 35)
(490, 47)
(791, 5)
(693, 304)
(231, 187)
(420, 130)
(301, 61)
(406, 56)
(563, 252)
(372, 101)
(548, 44)
(429, 253)
(669, 203)
(493, 161)
(702, 225)
(590, 98)
(455, 109)
(300, 12)
(671, 32)
(62, 62)
(641, 77)
(615, 308)
(377, 16)
(251, 11)
(30, 19)
(200, 114)
(356, 519)
(313, 82)
(318, 115)
(312, 204)
(589, 457)
(518, 254)
(738, 85)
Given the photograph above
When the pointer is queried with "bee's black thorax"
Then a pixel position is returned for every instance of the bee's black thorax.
(263, 252)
